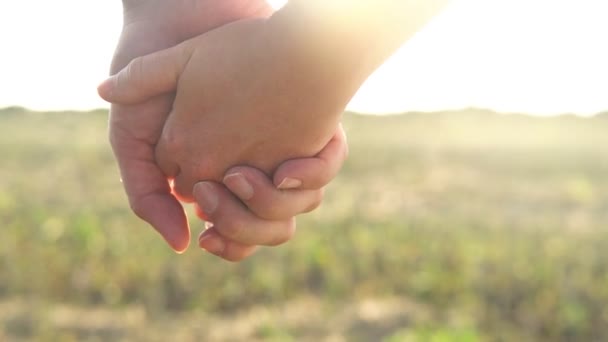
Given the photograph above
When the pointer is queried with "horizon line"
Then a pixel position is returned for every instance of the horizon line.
(24, 109)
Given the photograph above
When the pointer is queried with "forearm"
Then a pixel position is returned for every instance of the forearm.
(355, 29)
(153, 25)
(346, 40)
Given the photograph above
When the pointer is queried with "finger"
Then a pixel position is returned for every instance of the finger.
(146, 76)
(315, 172)
(146, 186)
(167, 148)
(232, 220)
(214, 243)
(182, 187)
(259, 194)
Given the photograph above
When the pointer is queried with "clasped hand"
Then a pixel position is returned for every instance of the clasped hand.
(219, 120)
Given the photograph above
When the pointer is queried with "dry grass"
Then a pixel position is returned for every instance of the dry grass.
(467, 226)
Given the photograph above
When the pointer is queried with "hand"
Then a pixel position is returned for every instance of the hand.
(239, 102)
(135, 129)
(236, 231)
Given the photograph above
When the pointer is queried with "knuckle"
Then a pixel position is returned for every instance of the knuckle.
(322, 176)
(287, 233)
(137, 205)
(171, 141)
(316, 200)
(133, 72)
(237, 253)
(114, 139)
(233, 257)
(270, 211)
(117, 136)
(234, 229)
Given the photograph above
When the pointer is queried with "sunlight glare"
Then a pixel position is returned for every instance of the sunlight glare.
(541, 57)
(276, 4)
(513, 56)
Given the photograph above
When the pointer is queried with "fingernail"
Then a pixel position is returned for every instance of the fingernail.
(238, 184)
(289, 183)
(208, 225)
(211, 243)
(206, 197)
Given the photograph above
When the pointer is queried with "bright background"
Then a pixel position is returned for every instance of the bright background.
(463, 226)
(534, 56)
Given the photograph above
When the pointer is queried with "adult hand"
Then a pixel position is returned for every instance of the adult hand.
(239, 102)
(135, 129)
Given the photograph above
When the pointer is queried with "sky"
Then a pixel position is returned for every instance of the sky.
(541, 57)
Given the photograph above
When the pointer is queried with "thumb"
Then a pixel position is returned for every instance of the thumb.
(146, 76)
(316, 172)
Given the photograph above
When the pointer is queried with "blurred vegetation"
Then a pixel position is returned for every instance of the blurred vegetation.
(459, 226)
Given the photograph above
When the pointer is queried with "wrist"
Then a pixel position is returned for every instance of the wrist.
(206, 15)
(189, 18)
(154, 12)
(353, 36)
(148, 26)
(330, 64)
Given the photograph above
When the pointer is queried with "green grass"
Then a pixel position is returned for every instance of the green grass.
(462, 226)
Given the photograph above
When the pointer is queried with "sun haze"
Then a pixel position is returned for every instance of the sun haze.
(540, 57)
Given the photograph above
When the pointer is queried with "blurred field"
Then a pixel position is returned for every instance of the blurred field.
(464, 226)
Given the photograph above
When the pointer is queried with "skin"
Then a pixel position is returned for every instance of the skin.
(275, 86)
(135, 130)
